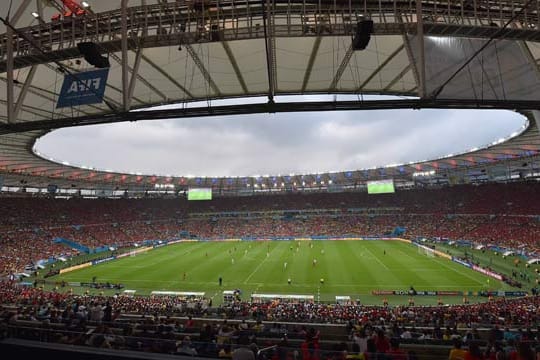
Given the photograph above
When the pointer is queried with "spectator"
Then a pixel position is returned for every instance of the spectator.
(525, 352)
(243, 351)
(381, 342)
(185, 347)
(225, 351)
(310, 349)
(457, 353)
(355, 353)
(395, 353)
(474, 352)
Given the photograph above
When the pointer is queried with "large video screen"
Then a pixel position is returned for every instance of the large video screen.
(380, 186)
(199, 194)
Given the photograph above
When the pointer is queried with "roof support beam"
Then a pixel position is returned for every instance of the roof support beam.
(39, 8)
(139, 77)
(32, 110)
(267, 108)
(24, 90)
(270, 46)
(311, 61)
(380, 67)
(9, 77)
(234, 64)
(134, 73)
(412, 63)
(398, 77)
(530, 57)
(37, 91)
(341, 69)
(536, 116)
(20, 11)
(202, 69)
(127, 94)
(11, 114)
(421, 50)
(124, 43)
(167, 75)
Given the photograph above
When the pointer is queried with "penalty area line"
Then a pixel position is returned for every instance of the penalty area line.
(378, 260)
(255, 270)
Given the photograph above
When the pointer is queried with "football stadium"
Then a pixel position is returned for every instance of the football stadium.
(431, 259)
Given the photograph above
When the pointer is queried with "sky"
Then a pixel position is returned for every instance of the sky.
(272, 144)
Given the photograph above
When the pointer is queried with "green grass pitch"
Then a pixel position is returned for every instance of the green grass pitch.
(352, 268)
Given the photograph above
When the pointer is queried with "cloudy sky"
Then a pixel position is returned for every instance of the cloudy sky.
(278, 143)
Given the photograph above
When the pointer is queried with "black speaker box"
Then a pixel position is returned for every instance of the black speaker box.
(361, 39)
(92, 55)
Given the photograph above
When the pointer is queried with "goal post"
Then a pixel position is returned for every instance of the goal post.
(424, 251)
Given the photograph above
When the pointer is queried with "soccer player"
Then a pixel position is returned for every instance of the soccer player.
(184, 275)
(220, 280)
(289, 281)
(284, 265)
(314, 262)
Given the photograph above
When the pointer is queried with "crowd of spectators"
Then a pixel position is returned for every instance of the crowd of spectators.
(492, 214)
(522, 312)
(193, 327)
(493, 198)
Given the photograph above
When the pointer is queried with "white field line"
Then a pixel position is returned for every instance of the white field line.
(378, 260)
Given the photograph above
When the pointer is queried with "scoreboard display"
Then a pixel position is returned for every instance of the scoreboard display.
(380, 187)
(199, 194)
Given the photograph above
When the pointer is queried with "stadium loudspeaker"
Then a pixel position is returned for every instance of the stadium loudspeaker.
(361, 39)
(92, 55)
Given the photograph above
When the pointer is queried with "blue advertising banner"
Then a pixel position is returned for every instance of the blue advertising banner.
(83, 88)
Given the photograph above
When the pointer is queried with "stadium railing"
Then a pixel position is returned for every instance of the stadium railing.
(118, 339)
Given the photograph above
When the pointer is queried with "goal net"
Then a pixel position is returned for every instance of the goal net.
(424, 251)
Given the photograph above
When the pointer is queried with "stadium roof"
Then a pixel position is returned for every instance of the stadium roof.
(480, 54)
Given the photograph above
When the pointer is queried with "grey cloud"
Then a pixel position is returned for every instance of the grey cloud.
(278, 143)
